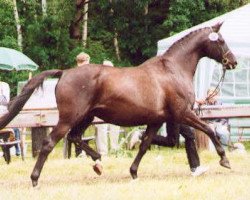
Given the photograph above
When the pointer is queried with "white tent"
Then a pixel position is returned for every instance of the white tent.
(236, 32)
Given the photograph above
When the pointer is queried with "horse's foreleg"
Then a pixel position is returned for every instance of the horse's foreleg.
(192, 120)
(172, 138)
(48, 144)
(146, 141)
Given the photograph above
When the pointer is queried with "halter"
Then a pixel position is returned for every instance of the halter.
(224, 60)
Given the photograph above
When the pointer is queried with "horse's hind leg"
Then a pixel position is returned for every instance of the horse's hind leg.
(192, 120)
(48, 144)
(146, 141)
(75, 136)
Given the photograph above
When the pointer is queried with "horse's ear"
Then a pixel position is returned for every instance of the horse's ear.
(217, 26)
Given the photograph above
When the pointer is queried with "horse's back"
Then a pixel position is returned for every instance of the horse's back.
(124, 96)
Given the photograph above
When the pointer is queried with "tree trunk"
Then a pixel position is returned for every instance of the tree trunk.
(75, 26)
(116, 45)
(44, 7)
(145, 16)
(37, 136)
(146, 9)
(18, 26)
(115, 39)
(85, 24)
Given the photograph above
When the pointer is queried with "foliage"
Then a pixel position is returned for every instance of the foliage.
(138, 24)
(7, 25)
(184, 14)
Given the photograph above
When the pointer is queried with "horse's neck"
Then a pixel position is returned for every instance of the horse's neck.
(185, 55)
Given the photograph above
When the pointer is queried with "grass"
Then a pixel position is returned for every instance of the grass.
(163, 174)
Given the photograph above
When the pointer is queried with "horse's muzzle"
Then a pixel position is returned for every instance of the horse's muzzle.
(229, 63)
(232, 65)
(229, 60)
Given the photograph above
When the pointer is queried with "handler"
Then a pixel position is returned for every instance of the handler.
(172, 139)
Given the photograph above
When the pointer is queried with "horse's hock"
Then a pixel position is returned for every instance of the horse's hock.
(203, 142)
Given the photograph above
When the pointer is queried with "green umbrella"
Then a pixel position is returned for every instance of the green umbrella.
(11, 59)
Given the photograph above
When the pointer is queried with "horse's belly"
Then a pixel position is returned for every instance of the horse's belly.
(130, 117)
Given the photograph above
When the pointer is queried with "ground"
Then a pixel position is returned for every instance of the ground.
(163, 174)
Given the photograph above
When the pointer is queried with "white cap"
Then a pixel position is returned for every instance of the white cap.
(107, 62)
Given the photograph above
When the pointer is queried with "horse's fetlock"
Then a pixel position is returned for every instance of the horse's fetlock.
(133, 171)
(34, 176)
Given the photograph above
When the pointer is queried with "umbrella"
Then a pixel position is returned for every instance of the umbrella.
(11, 59)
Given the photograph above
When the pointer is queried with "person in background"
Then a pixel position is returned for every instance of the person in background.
(82, 59)
(105, 130)
(15, 135)
(165, 139)
(220, 126)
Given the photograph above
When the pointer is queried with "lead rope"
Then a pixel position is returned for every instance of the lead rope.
(216, 90)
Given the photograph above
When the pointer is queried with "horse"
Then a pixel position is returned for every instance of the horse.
(159, 90)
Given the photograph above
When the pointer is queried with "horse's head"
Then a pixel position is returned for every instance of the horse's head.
(216, 48)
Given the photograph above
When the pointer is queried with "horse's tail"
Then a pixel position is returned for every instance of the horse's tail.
(19, 101)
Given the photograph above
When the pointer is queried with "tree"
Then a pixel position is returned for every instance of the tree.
(85, 23)
(18, 26)
(115, 37)
(75, 30)
(44, 7)
(126, 32)
(8, 33)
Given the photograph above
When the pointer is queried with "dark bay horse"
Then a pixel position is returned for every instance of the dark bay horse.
(159, 90)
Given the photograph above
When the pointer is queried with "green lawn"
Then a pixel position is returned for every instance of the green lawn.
(163, 174)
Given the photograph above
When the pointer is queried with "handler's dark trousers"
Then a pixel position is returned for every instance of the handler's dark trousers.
(187, 133)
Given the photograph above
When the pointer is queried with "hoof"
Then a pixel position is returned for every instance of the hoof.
(133, 173)
(98, 169)
(34, 183)
(225, 163)
(134, 180)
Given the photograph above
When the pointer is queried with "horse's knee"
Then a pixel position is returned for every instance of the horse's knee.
(47, 146)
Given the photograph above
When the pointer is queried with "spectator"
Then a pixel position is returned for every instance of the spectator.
(82, 59)
(103, 130)
(4, 99)
(220, 126)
